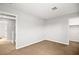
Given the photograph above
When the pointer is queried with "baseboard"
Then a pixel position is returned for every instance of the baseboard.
(30, 43)
(74, 40)
(58, 41)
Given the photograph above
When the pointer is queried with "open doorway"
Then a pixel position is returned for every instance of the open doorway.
(74, 29)
(11, 31)
(74, 33)
(7, 33)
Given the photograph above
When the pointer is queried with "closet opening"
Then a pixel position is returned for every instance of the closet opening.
(7, 30)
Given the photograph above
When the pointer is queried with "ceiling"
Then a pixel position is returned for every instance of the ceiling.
(44, 10)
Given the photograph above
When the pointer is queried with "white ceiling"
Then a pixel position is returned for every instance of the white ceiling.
(44, 11)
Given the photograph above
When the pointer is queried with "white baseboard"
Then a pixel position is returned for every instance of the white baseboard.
(24, 45)
(74, 40)
(66, 43)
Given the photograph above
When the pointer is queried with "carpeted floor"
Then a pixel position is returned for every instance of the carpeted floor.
(44, 48)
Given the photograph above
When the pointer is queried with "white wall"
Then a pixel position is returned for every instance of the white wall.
(58, 28)
(28, 28)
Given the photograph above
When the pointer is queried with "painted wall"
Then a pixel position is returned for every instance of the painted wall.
(58, 28)
(29, 28)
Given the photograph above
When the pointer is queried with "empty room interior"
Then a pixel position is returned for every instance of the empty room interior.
(39, 28)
